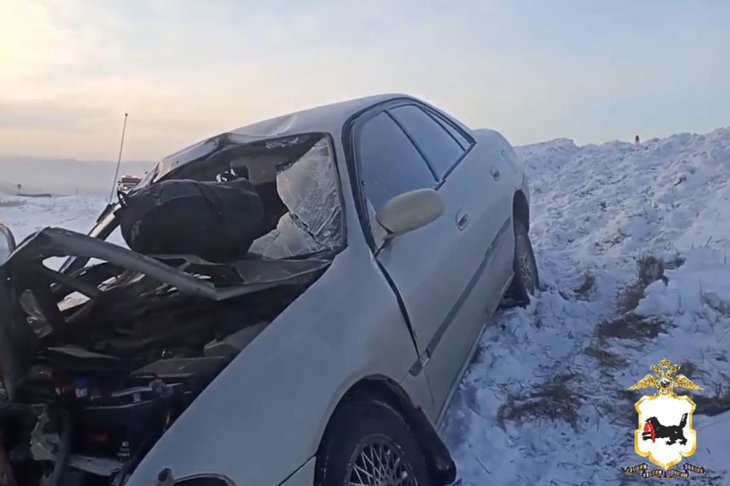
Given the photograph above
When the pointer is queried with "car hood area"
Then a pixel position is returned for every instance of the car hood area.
(98, 359)
(101, 354)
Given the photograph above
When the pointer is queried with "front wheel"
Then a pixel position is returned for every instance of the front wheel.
(526, 280)
(369, 444)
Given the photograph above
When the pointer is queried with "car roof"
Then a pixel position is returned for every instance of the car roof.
(326, 118)
(321, 119)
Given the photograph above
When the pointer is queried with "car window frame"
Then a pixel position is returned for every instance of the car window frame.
(445, 121)
(350, 128)
(362, 198)
(441, 120)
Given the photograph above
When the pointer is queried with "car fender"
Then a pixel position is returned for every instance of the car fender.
(264, 415)
(499, 148)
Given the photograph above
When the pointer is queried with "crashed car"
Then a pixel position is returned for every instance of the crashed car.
(327, 355)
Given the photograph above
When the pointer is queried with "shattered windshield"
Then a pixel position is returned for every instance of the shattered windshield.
(295, 177)
(308, 187)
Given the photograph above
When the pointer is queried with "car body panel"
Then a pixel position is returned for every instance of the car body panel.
(323, 119)
(304, 476)
(460, 257)
(373, 343)
(498, 146)
(234, 414)
(443, 266)
(501, 175)
(243, 427)
(261, 420)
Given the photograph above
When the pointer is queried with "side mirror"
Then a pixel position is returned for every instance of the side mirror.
(7, 243)
(410, 210)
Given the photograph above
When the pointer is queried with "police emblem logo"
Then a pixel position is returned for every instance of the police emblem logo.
(665, 435)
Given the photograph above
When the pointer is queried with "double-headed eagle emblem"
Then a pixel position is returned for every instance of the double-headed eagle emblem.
(664, 434)
(665, 379)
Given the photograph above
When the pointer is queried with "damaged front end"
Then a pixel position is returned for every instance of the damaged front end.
(96, 364)
(98, 359)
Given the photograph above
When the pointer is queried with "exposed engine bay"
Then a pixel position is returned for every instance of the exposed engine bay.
(100, 357)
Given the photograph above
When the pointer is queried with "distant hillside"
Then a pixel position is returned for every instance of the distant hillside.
(62, 176)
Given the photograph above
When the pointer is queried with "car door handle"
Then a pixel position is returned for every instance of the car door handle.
(496, 174)
(462, 220)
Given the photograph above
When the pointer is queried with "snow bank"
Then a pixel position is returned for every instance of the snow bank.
(544, 401)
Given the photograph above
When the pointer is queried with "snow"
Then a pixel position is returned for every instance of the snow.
(545, 400)
(25, 216)
(28, 215)
(597, 210)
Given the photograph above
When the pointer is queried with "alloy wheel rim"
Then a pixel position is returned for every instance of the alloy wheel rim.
(379, 462)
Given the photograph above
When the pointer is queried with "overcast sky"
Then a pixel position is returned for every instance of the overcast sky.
(589, 70)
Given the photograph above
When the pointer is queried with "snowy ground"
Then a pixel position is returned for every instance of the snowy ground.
(545, 400)
(27, 215)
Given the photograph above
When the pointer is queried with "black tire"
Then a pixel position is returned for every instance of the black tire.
(361, 429)
(526, 280)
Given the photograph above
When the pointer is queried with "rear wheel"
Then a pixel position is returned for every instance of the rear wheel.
(369, 444)
(526, 280)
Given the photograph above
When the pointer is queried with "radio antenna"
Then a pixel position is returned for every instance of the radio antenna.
(119, 160)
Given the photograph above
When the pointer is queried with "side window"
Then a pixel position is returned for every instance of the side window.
(438, 146)
(464, 142)
(389, 163)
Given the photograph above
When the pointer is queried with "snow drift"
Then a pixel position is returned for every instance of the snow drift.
(632, 243)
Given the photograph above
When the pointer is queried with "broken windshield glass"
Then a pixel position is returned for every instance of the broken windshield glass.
(308, 188)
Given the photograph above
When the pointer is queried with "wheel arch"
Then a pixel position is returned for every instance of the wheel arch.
(383, 389)
(521, 208)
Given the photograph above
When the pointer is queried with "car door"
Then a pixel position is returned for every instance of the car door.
(479, 180)
(466, 177)
(492, 165)
(433, 267)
